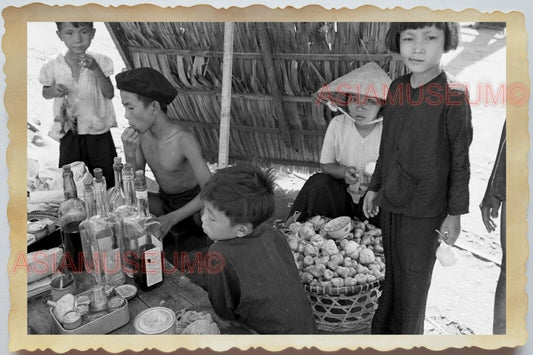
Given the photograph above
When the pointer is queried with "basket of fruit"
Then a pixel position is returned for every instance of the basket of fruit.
(341, 272)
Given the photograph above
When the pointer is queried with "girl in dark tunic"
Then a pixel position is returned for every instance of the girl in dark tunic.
(422, 173)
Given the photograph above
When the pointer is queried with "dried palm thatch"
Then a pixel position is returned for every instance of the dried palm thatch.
(277, 66)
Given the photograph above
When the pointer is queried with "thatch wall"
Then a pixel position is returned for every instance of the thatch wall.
(305, 56)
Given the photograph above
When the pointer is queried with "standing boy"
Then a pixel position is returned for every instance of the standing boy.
(259, 284)
(79, 83)
(171, 151)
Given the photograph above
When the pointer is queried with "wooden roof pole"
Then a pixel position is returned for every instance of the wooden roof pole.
(266, 48)
(225, 105)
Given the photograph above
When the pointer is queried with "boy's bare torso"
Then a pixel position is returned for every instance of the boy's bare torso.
(172, 170)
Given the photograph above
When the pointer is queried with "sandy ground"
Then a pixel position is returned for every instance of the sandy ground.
(461, 296)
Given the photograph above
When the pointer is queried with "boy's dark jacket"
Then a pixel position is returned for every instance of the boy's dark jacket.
(259, 284)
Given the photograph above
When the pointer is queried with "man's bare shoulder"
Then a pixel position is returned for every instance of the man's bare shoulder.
(182, 134)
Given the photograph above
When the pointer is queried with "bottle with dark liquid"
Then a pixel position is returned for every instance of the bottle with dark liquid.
(115, 194)
(144, 239)
(71, 213)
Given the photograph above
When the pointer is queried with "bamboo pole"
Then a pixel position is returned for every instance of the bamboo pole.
(225, 106)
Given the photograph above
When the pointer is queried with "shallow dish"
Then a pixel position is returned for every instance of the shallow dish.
(338, 228)
(127, 291)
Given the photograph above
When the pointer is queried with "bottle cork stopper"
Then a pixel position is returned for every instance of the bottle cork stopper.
(140, 180)
(88, 181)
(117, 160)
(66, 168)
(98, 174)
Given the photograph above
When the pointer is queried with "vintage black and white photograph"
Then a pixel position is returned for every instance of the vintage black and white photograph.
(271, 178)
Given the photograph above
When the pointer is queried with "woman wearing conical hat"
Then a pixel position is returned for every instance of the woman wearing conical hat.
(350, 148)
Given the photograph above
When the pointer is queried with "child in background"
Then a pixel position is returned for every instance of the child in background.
(79, 83)
(422, 173)
(259, 284)
(350, 148)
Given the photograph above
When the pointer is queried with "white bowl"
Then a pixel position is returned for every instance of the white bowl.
(338, 228)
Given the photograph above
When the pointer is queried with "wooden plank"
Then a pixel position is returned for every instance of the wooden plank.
(177, 292)
(255, 97)
(284, 56)
(266, 130)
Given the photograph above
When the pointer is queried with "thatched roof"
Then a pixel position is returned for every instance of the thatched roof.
(304, 57)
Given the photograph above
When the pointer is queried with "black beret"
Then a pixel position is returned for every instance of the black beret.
(147, 82)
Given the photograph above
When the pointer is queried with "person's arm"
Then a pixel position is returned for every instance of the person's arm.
(103, 81)
(57, 90)
(131, 142)
(459, 129)
(349, 174)
(223, 288)
(495, 192)
(192, 152)
(328, 159)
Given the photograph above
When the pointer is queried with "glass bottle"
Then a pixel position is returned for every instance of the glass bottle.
(71, 213)
(143, 233)
(106, 231)
(116, 193)
(87, 242)
(128, 208)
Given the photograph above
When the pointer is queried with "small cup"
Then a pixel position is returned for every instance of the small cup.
(72, 320)
(115, 303)
(83, 300)
(83, 310)
(61, 285)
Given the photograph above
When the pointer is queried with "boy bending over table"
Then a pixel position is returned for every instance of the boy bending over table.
(171, 151)
(258, 284)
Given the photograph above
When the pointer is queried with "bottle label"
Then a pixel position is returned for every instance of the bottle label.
(155, 241)
(141, 194)
(154, 266)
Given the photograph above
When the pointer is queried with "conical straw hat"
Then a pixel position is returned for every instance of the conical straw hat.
(368, 80)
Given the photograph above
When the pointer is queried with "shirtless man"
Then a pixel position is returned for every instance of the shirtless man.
(171, 151)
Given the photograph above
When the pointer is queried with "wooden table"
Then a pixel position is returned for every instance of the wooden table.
(177, 292)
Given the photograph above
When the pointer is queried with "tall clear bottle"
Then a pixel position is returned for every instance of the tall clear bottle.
(144, 238)
(116, 193)
(87, 241)
(106, 231)
(71, 213)
(128, 180)
(128, 210)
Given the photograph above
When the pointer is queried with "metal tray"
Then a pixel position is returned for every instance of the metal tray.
(103, 325)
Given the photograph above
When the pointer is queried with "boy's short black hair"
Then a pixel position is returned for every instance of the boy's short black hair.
(451, 33)
(244, 193)
(147, 101)
(75, 24)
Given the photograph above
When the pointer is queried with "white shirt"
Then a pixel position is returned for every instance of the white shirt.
(344, 145)
(95, 113)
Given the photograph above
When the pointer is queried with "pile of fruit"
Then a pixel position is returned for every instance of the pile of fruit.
(327, 262)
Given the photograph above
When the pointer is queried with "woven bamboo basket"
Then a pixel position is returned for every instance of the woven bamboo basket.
(347, 309)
